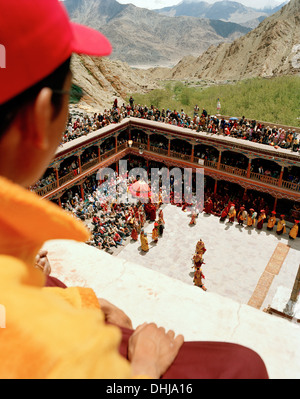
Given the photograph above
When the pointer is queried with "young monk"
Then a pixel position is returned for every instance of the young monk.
(61, 332)
(51, 332)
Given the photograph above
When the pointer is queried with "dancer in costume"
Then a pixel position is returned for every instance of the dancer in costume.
(225, 212)
(134, 232)
(155, 232)
(161, 222)
(281, 229)
(271, 221)
(231, 213)
(161, 216)
(261, 219)
(294, 230)
(200, 248)
(242, 216)
(254, 216)
(193, 219)
(144, 241)
(251, 219)
(198, 275)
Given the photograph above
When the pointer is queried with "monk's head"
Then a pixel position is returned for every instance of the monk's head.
(35, 82)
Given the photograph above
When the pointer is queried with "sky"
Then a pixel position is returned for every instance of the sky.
(155, 4)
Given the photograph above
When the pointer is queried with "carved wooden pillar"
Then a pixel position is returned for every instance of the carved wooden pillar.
(193, 151)
(219, 160)
(82, 191)
(169, 148)
(79, 163)
(249, 168)
(56, 169)
(99, 153)
(148, 142)
(57, 176)
(275, 204)
(216, 187)
(281, 176)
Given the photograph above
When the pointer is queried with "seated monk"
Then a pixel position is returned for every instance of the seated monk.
(53, 332)
(208, 206)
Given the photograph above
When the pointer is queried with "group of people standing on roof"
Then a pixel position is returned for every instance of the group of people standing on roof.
(252, 219)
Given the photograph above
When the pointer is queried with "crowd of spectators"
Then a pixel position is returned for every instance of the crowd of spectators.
(109, 219)
(230, 193)
(80, 124)
(111, 222)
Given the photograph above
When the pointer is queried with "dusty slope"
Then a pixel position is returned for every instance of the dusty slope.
(273, 48)
(103, 80)
(144, 37)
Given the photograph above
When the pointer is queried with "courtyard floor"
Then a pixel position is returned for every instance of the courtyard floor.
(235, 260)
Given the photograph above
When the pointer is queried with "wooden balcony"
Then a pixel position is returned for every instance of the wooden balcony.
(188, 160)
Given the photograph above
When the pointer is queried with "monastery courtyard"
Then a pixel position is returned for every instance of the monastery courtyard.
(242, 267)
(236, 261)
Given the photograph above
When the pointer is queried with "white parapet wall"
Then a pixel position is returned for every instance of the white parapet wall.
(147, 295)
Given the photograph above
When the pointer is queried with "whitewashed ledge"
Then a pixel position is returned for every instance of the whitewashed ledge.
(147, 295)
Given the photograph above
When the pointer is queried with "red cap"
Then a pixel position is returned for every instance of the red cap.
(36, 37)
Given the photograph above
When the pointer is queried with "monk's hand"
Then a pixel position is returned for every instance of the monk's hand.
(114, 315)
(152, 350)
(42, 262)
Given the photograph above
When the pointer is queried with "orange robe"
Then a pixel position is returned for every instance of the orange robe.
(271, 222)
(50, 332)
(294, 231)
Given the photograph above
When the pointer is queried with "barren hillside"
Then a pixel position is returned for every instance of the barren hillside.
(272, 49)
(141, 37)
(103, 80)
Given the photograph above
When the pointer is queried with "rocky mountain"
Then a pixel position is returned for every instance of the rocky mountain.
(144, 38)
(229, 11)
(273, 48)
(102, 80)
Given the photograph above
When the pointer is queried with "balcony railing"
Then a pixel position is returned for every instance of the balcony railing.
(232, 170)
(178, 155)
(173, 154)
(264, 178)
(291, 186)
